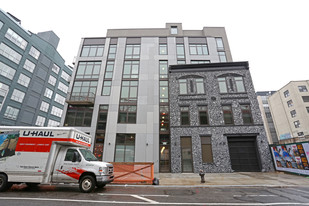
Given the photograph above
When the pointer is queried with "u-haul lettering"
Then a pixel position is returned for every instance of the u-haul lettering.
(38, 134)
(82, 138)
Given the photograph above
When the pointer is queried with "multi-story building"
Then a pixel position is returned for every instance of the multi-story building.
(119, 90)
(33, 77)
(290, 111)
(270, 129)
(215, 121)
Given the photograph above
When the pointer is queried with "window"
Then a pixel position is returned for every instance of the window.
(79, 116)
(3, 89)
(56, 111)
(1, 24)
(199, 83)
(7, 71)
(183, 89)
(29, 66)
(222, 56)
(302, 88)
(107, 85)
(163, 69)
(65, 76)
(109, 70)
(228, 115)
(174, 30)
(55, 68)
(164, 118)
(300, 134)
(305, 98)
(246, 114)
(88, 70)
(219, 43)
(60, 99)
(18, 96)
(92, 51)
(48, 93)
(286, 93)
(40, 121)
(293, 113)
(198, 49)
(203, 115)
(125, 148)
(52, 80)
(180, 50)
(240, 87)
(162, 49)
(52, 123)
(181, 62)
(163, 91)
(62, 87)
(132, 51)
(290, 103)
(127, 114)
(84, 89)
(207, 156)
(70, 154)
(112, 51)
(16, 39)
(44, 106)
(23, 80)
(222, 85)
(297, 124)
(200, 61)
(129, 91)
(11, 113)
(184, 116)
(130, 70)
(10, 53)
(102, 118)
(34, 53)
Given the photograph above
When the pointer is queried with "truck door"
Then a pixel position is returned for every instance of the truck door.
(67, 168)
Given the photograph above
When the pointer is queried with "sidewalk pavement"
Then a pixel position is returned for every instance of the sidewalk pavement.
(252, 179)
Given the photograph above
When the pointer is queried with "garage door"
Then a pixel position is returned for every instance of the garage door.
(243, 154)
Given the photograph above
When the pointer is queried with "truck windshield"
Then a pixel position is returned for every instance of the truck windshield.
(88, 155)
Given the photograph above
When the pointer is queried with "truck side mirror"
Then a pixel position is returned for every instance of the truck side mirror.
(76, 157)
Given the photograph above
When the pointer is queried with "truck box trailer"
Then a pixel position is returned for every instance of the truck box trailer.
(47, 155)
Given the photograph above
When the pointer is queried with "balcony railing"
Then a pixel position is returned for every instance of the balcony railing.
(78, 98)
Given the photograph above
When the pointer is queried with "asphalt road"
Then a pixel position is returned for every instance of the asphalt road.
(70, 195)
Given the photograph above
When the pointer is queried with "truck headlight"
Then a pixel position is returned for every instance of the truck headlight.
(103, 170)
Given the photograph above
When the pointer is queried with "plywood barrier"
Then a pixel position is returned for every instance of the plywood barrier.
(133, 172)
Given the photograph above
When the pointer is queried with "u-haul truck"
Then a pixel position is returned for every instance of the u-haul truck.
(46, 155)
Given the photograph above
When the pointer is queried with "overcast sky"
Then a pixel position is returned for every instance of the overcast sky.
(273, 35)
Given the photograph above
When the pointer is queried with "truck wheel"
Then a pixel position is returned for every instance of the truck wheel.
(4, 184)
(87, 184)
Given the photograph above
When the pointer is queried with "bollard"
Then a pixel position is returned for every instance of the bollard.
(202, 174)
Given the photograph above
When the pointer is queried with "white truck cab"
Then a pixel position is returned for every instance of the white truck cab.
(47, 155)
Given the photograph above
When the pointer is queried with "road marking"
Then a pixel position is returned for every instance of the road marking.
(302, 191)
(143, 203)
(255, 195)
(145, 199)
(106, 194)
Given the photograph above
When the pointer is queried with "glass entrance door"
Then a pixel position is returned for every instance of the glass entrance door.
(186, 155)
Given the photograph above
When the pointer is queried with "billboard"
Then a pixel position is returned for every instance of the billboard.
(291, 157)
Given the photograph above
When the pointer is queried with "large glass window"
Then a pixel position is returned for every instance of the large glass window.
(184, 116)
(240, 87)
(56, 111)
(7, 71)
(109, 70)
(55, 68)
(163, 49)
(130, 70)
(107, 85)
(100, 132)
(52, 123)
(246, 114)
(44, 106)
(228, 115)
(180, 50)
(60, 99)
(102, 118)
(92, 51)
(84, 89)
(183, 89)
(207, 156)
(52, 80)
(203, 115)
(62, 87)
(200, 61)
(174, 30)
(18, 96)
(23, 80)
(222, 56)
(29, 66)
(199, 83)
(34, 52)
(40, 121)
(125, 148)
(222, 85)
(163, 91)
(88, 70)
(163, 69)
(10, 53)
(48, 93)
(11, 113)
(132, 51)
(198, 49)
(3, 89)
(79, 116)
(16, 39)
(112, 51)
(164, 118)
(65, 76)
(129, 91)
(219, 42)
(127, 114)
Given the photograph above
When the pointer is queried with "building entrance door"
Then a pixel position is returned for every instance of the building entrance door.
(186, 155)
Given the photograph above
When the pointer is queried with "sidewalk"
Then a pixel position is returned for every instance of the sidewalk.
(270, 179)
